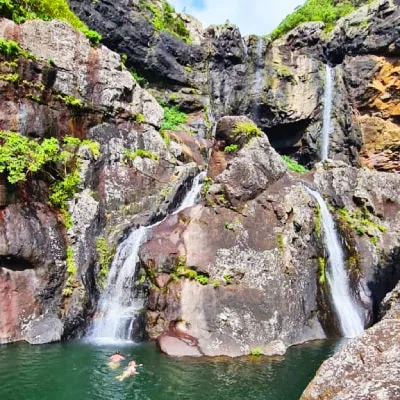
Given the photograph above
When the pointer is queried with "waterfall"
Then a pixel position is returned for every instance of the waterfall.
(193, 195)
(349, 313)
(258, 77)
(326, 124)
(118, 305)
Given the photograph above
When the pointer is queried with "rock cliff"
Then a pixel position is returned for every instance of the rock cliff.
(244, 270)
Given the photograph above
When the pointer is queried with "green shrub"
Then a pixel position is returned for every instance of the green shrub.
(22, 10)
(21, 156)
(11, 49)
(294, 165)
(71, 101)
(166, 19)
(314, 10)
(173, 118)
(247, 128)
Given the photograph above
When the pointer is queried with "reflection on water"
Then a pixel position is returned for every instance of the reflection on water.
(79, 371)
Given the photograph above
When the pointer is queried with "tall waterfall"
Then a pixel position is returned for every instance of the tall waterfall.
(328, 99)
(349, 313)
(118, 306)
(258, 76)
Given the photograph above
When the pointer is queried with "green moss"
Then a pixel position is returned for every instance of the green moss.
(294, 165)
(362, 223)
(183, 271)
(71, 282)
(71, 101)
(13, 78)
(327, 11)
(140, 118)
(22, 10)
(141, 80)
(166, 19)
(105, 255)
(247, 128)
(228, 279)
(132, 154)
(282, 71)
(207, 183)
(229, 226)
(321, 270)
(231, 148)
(173, 118)
(255, 352)
(11, 49)
(280, 242)
(166, 138)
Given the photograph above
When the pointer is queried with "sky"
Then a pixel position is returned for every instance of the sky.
(252, 16)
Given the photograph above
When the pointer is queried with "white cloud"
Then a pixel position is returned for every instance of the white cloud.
(252, 16)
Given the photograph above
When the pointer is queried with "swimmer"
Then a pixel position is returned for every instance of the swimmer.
(129, 371)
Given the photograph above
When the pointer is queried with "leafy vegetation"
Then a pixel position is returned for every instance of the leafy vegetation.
(22, 10)
(132, 154)
(207, 183)
(21, 157)
(71, 273)
(104, 256)
(255, 352)
(294, 165)
(140, 118)
(71, 101)
(231, 148)
(141, 80)
(361, 221)
(166, 19)
(9, 48)
(183, 271)
(228, 279)
(321, 270)
(314, 10)
(173, 118)
(248, 128)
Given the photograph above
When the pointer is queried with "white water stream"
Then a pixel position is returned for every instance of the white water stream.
(118, 306)
(328, 100)
(349, 313)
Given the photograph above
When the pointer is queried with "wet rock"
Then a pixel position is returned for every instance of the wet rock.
(46, 329)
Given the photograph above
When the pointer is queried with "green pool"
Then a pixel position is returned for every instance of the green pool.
(79, 371)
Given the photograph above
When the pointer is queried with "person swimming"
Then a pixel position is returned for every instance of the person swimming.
(115, 360)
(130, 370)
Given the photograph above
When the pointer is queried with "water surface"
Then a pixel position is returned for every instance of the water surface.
(79, 371)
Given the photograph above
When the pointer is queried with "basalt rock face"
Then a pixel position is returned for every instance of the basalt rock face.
(367, 366)
(74, 89)
(280, 85)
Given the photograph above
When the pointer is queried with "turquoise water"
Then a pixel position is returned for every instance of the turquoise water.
(79, 371)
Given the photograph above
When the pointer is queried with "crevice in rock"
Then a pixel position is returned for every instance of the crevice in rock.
(286, 138)
(15, 263)
(386, 277)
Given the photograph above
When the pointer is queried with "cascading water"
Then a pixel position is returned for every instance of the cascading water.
(349, 313)
(328, 99)
(118, 305)
(258, 77)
